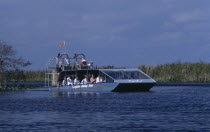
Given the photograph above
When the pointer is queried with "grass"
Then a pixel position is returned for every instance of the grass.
(170, 72)
(179, 72)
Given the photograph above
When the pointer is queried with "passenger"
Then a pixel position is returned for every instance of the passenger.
(76, 81)
(92, 79)
(91, 65)
(104, 79)
(59, 67)
(99, 79)
(64, 81)
(83, 62)
(85, 80)
(69, 81)
(76, 66)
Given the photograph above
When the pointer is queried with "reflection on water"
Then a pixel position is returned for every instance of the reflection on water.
(63, 94)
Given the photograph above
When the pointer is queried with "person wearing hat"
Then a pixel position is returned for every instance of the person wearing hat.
(91, 65)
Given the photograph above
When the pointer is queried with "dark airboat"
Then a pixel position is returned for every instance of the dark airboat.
(69, 73)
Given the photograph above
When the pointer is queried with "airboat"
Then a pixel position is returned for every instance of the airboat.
(61, 68)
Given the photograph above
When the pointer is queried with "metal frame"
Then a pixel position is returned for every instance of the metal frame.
(64, 58)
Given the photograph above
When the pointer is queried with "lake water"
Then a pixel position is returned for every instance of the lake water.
(164, 108)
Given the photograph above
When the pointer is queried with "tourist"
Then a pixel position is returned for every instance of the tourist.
(76, 81)
(92, 79)
(64, 81)
(85, 80)
(59, 67)
(91, 65)
(60, 80)
(76, 66)
(104, 78)
(69, 81)
(83, 62)
(99, 79)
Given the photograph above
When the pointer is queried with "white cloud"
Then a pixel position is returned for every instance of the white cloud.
(188, 16)
(199, 26)
(168, 25)
(168, 36)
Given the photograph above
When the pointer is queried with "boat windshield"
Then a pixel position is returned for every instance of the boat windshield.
(126, 74)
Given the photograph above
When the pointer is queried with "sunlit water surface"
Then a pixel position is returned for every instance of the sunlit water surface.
(183, 108)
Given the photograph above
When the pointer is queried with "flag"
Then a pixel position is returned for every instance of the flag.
(62, 44)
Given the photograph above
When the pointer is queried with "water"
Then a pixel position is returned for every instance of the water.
(165, 108)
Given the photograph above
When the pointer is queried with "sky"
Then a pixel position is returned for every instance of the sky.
(123, 33)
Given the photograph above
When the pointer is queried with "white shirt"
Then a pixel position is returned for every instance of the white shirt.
(64, 82)
(99, 79)
(76, 81)
(84, 81)
(91, 66)
(69, 81)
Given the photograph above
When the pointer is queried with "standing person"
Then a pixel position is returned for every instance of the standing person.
(85, 80)
(92, 79)
(76, 81)
(83, 62)
(60, 80)
(91, 65)
(59, 67)
(76, 65)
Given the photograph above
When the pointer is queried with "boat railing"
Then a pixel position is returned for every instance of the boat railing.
(49, 62)
(64, 62)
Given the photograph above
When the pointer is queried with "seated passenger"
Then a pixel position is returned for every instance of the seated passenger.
(99, 79)
(91, 65)
(92, 79)
(85, 80)
(64, 81)
(69, 81)
(104, 79)
(76, 81)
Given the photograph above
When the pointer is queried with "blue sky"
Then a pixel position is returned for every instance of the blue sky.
(110, 32)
